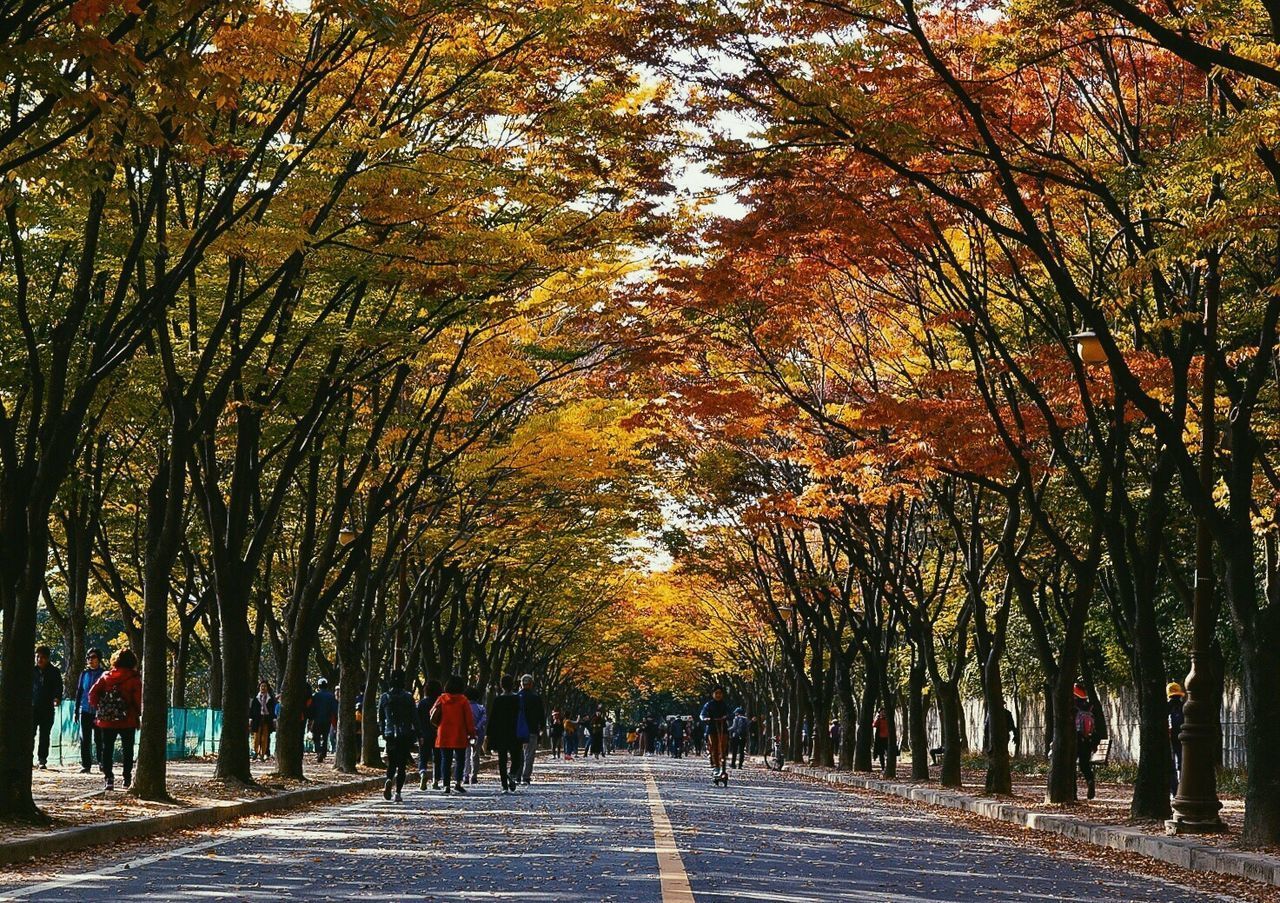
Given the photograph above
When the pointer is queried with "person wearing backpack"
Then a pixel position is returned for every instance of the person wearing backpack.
(1086, 737)
(455, 728)
(398, 719)
(738, 729)
(116, 698)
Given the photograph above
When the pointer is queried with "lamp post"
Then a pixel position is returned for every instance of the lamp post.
(1196, 806)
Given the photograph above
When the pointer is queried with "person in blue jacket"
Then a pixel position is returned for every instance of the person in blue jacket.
(90, 733)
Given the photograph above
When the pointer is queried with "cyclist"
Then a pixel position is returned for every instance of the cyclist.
(715, 715)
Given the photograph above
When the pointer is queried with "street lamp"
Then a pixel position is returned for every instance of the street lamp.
(346, 536)
(1089, 347)
(1196, 806)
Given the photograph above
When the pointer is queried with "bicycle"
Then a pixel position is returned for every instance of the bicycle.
(773, 758)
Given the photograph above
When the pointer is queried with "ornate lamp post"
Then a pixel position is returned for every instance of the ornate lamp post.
(1196, 806)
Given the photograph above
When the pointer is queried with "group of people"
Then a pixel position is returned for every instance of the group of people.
(108, 707)
(319, 718)
(593, 733)
(450, 726)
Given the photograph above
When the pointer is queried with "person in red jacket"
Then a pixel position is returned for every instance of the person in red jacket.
(117, 701)
(455, 727)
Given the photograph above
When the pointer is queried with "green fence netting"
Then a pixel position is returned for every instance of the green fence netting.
(192, 732)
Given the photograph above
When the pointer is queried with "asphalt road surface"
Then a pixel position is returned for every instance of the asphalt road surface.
(641, 831)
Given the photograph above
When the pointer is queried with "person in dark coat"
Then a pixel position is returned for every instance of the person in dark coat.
(534, 717)
(428, 755)
(504, 735)
(1177, 696)
(262, 720)
(90, 733)
(46, 693)
(398, 720)
(324, 711)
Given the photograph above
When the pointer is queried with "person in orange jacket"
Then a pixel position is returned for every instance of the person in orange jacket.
(455, 728)
(117, 703)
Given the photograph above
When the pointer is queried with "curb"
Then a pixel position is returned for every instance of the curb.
(1180, 851)
(72, 839)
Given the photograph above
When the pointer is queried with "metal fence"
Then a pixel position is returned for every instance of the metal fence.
(192, 732)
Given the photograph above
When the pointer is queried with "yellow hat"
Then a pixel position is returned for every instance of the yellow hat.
(1174, 689)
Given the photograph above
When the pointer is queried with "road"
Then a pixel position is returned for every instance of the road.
(651, 831)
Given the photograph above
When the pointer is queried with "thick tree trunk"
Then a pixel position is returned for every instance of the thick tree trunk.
(1062, 754)
(918, 723)
(233, 748)
(848, 718)
(290, 731)
(16, 674)
(862, 758)
(1155, 762)
(949, 712)
(346, 752)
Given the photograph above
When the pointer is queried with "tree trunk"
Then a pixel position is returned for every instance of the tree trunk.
(16, 675)
(215, 655)
(346, 753)
(1062, 754)
(290, 730)
(233, 748)
(949, 712)
(181, 661)
(862, 758)
(918, 722)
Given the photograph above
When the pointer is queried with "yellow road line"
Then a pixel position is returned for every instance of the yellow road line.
(671, 874)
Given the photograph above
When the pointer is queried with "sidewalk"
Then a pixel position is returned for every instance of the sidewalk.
(1103, 822)
(84, 814)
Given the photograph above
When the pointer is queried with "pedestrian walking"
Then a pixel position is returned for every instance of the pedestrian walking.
(880, 747)
(834, 733)
(262, 720)
(570, 737)
(1086, 737)
(597, 722)
(398, 719)
(116, 698)
(557, 733)
(46, 694)
(323, 715)
(481, 719)
(738, 730)
(1177, 696)
(698, 735)
(455, 728)
(535, 718)
(675, 737)
(90, 733)
(428, 755)
(507, 734)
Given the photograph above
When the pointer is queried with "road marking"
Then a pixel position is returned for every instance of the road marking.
(671, 874)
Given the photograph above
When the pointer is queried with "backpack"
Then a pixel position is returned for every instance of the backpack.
(112, 708)
(1084, 723)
